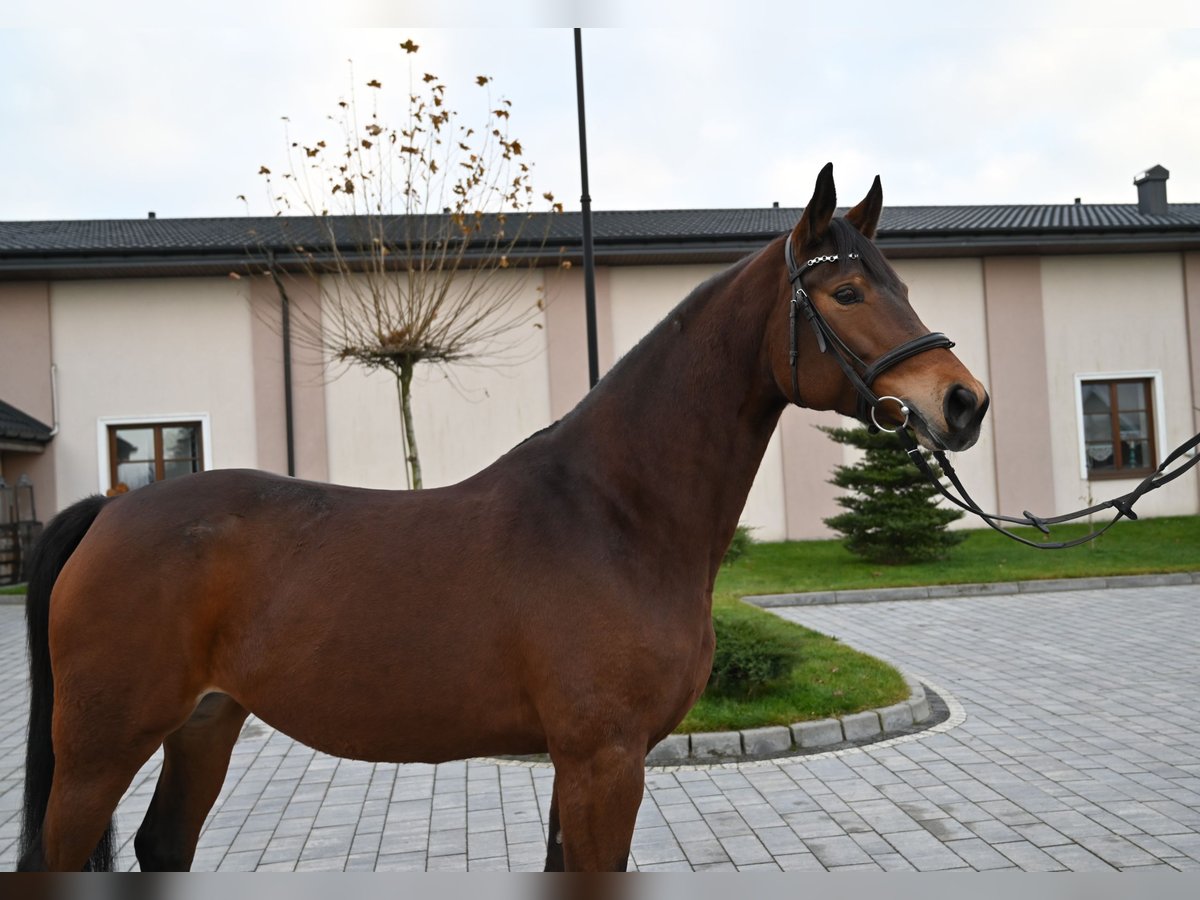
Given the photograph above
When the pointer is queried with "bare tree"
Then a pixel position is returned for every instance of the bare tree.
(422, 243)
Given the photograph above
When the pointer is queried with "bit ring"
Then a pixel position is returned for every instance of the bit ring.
(903, 409)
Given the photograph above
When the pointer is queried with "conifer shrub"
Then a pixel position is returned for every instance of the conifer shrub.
(750, 658)
(742, 539)
(891, 513)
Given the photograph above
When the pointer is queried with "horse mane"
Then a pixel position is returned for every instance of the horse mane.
(538, 433)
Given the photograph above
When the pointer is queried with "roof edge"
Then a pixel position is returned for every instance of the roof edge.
(640, 251)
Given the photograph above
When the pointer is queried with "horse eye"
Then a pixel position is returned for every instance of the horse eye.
(846, 296)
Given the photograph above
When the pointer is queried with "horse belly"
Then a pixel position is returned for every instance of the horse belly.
(374, 692)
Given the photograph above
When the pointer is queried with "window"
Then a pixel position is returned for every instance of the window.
(140, 453)
(1118, 427)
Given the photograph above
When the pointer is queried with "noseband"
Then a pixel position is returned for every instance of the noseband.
(1187, 455)
(860, 374)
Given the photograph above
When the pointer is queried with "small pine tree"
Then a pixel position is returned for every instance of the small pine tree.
(892, 516)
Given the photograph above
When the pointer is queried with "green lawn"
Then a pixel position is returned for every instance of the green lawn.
(831, 679)
(834, 679)
(1130, 548)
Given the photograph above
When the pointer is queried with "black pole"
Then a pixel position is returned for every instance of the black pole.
(589, 262)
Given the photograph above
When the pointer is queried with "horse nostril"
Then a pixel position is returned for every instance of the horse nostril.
(959, 408)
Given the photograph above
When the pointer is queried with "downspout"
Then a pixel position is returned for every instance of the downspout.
(54, 398)
(286, 329)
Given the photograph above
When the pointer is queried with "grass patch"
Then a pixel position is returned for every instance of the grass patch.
(833, 679)
(1170, 544)
(12, 589)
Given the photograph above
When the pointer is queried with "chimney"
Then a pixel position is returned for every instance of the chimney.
(152, 215)
(1152, 191)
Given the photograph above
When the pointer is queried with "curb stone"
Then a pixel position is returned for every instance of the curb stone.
(819, 733)
(715, 745)
(776, 739)
(728, 746)
(863, 725)
(943, 591)
(899, 715)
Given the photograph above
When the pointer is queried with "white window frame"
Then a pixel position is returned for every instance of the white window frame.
(1160, 426)
(104, 422)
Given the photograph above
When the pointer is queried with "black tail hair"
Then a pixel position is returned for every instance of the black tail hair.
(55, 546)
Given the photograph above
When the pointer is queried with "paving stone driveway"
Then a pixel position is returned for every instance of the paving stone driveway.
(1076, 745)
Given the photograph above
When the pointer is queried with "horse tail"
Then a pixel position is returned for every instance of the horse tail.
(53, 549)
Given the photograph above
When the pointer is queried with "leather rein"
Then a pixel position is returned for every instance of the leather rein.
(861, 375)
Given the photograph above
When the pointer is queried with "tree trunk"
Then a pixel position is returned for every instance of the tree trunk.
(413, 459)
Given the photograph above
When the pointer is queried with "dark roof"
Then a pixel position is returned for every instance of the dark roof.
(18, 426)
(216, 246)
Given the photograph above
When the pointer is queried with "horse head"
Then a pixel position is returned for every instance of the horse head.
(856, 345)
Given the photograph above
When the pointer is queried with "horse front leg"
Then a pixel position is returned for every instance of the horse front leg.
(554, 850)
(597, 794)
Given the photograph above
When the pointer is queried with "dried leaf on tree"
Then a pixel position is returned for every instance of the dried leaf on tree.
(417, 266)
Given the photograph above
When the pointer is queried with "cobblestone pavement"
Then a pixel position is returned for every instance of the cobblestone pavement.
(1076, 745)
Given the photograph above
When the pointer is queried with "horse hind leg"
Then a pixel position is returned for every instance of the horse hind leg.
(96, 756)
(195, 761)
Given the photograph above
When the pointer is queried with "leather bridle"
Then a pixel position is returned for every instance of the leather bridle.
(861, 376)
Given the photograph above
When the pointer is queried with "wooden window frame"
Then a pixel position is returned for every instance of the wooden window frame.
(105, 440)
(160, 461)
(1150, 388)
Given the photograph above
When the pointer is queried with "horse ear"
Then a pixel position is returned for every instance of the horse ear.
(865, 216)
(817, 215)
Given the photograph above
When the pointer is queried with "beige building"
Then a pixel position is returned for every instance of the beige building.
(128, 354)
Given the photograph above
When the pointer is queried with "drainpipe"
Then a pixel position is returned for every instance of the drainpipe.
(54, 398)
(286, 329)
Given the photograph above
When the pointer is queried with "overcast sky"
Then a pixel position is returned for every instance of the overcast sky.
(112, 112)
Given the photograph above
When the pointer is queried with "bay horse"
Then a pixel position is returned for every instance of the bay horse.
(558, 601)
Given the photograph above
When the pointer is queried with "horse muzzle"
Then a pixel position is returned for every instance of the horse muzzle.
(962, 415)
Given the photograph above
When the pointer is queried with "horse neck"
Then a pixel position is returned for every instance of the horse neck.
(673, 436)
